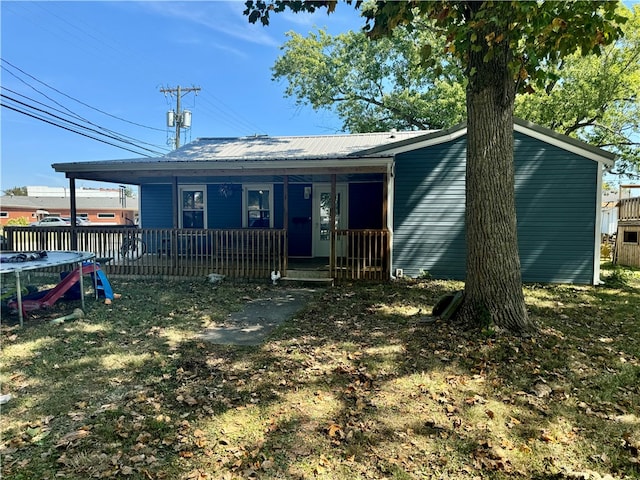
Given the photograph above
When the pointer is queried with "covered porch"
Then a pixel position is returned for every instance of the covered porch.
(237, 253)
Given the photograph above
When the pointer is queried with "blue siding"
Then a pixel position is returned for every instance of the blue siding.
(278, 205)
(556, 206)
(156, 210)
(428, 231)
(365, 205)
(555, 201)
(224, 206)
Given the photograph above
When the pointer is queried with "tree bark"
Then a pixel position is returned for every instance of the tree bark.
(493, 287)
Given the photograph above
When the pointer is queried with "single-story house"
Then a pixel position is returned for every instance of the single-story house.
(409, 185)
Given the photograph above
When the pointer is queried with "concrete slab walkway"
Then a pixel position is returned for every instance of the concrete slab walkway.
(259, 317)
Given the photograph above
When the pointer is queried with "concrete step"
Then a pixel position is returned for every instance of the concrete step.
(307, 273)
(303, 280)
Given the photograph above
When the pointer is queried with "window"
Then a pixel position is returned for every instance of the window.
(4, 214)
(630, 237)
(258, 203)
(192, 207)
(106, 215)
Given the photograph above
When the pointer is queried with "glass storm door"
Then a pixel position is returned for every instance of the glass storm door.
(322, 218)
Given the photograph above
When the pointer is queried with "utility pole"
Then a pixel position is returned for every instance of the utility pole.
(178, 117)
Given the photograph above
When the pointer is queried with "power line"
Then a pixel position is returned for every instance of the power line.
(230, 115)
(58, 119)
(121, 137)
(71, 130)
(71, 98)
(109, 133)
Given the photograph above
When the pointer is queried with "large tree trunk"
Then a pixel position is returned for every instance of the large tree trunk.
(493, 288)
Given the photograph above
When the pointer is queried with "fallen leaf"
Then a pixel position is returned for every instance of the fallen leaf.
(72, 437)
(334, 430)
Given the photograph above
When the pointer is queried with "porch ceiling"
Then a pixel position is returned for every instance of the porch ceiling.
(132, 176)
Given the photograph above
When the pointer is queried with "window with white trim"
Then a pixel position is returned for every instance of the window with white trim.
(4, 214)
(257, 206)
(106, 215)
(193, 206)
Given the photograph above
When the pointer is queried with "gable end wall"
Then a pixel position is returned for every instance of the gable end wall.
(555, 200)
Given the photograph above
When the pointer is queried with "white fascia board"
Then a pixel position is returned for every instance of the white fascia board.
(239, 165)
(437, 139)
(598, 229)
(560, 143)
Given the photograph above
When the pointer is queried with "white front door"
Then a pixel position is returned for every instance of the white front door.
(322, 217)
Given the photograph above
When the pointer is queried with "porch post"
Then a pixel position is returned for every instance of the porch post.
(332, 247)
(285, 225)
(386, 259)
(174, 247)
(72, 206)
(385, 200)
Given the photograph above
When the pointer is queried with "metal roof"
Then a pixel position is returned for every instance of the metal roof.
(264, 147)
(206, 156)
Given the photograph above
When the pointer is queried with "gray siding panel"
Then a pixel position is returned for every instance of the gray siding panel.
(555, 202)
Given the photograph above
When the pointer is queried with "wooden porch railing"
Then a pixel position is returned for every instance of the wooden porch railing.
(361, 255)
(245, 253)
(629, 209)
(241, 253)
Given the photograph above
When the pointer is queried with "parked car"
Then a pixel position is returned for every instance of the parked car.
(80, 222)
(51, 222)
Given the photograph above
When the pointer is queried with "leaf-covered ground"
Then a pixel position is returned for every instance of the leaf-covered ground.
(360, 384)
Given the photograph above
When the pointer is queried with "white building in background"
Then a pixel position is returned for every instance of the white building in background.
(63, 192)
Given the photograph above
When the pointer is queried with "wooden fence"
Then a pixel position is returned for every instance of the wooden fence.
(240, 253)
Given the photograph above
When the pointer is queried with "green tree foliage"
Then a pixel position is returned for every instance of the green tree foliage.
(376, 86)
(373, 85)
(18, 222)
(16, 191)
(596, 97)
(503, 48)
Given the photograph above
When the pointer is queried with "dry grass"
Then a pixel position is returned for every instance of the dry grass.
(360, 384)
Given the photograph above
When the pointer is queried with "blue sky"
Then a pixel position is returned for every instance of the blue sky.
(113, 57)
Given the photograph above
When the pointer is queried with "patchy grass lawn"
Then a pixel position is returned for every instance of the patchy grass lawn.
(360, 384)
